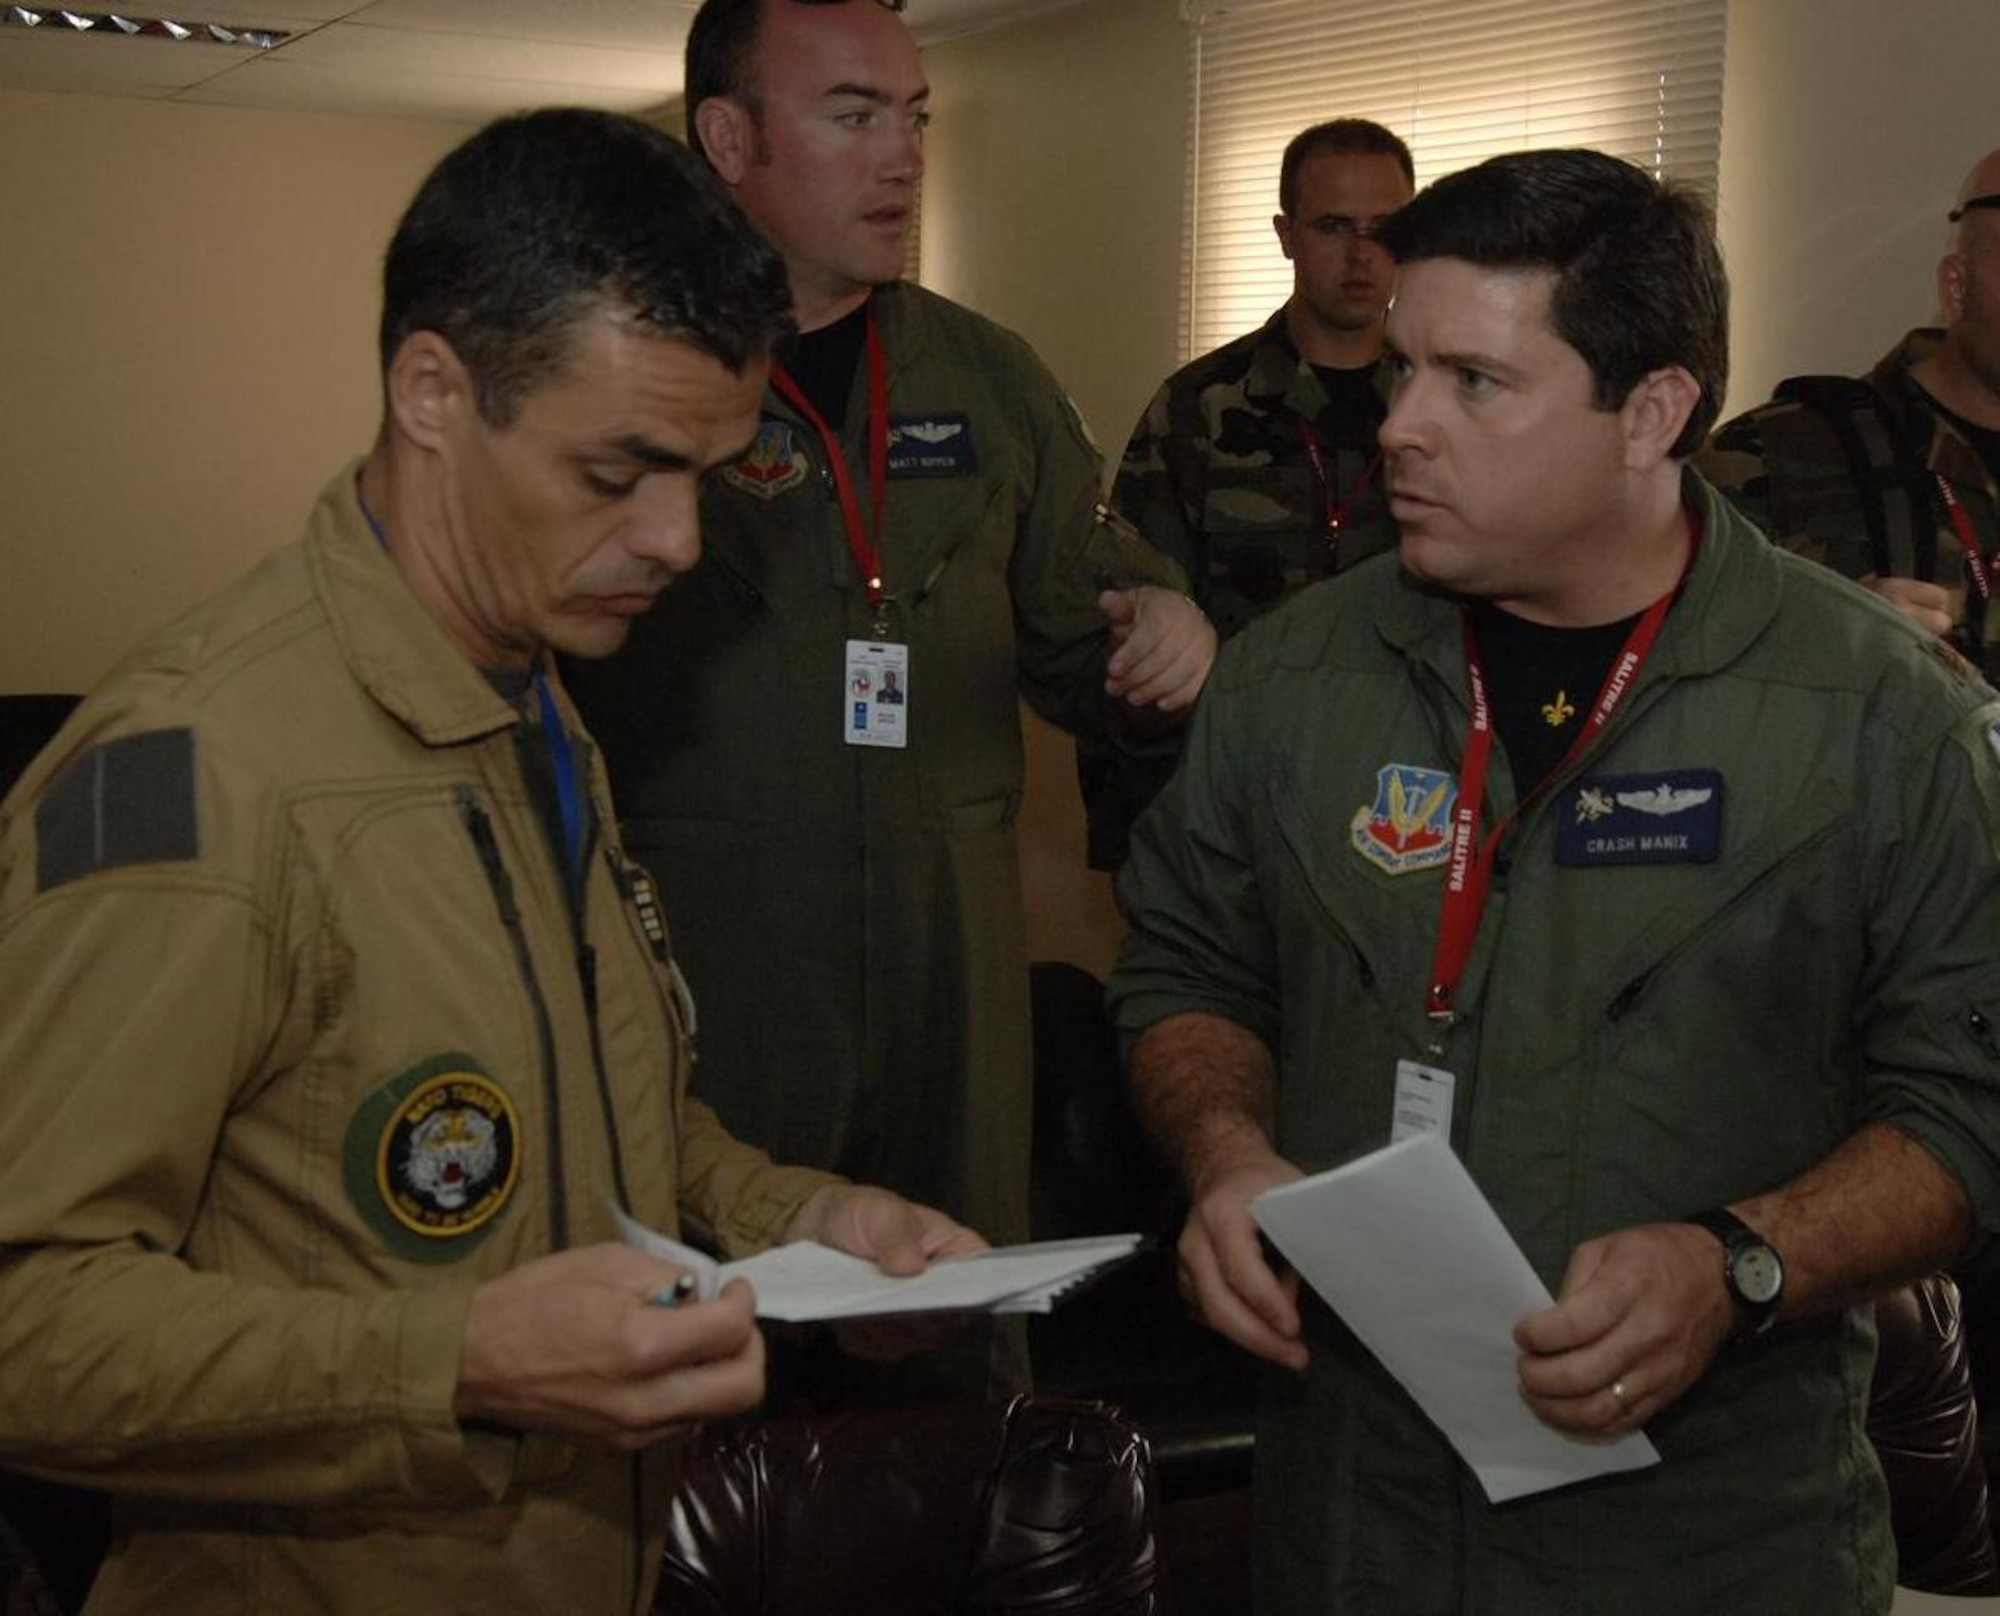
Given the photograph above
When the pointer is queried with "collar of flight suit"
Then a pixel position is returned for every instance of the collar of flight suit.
(395, 649)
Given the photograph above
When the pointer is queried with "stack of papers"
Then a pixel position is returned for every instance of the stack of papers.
(805, 1281)
(1405, 1248)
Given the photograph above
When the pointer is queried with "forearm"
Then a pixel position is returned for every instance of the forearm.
(126, 1369)
(1205, 1087)
(732, 1195)
(1878, 1211)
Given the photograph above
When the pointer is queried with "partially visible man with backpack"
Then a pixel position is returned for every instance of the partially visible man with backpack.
(1894, 478)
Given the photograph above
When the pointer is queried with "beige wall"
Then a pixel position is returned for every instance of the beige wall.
(1847, 125)
(1053, 204)
(187, 311)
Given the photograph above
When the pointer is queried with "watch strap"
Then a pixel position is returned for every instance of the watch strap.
(1753, 1317)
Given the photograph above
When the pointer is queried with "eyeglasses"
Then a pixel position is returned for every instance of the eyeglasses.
(1341, 227)
(1991, 200)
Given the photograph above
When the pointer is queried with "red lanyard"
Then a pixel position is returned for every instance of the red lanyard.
(1336, 508)
(863, 542)
(1469, 876)
(1968, 541)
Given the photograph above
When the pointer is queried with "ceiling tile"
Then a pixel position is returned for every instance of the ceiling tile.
(275, 85)
(486, 56)
(659, 25)
(35, 59)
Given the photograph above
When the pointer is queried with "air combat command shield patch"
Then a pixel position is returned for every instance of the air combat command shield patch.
(1408, 825)
(432, 1157)
(774, 464)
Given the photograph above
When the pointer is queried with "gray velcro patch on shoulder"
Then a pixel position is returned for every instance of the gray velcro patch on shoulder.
(129, 801)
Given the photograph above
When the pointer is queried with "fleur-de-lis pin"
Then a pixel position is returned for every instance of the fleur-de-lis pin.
(1558, 712)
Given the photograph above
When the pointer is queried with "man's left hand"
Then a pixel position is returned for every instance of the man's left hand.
(1641, 1316)
(898, 1236)
(1162, 647)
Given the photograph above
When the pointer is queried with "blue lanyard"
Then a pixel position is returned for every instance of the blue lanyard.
(569, 798)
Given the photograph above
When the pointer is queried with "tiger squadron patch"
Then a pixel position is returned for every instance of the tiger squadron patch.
(433, 1156)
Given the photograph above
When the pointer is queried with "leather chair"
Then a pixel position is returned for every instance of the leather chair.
(1924, 1422)
(51, 1538)
(984, 1509)
(27, 724)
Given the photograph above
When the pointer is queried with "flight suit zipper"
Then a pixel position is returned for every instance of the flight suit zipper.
(480, 828)
(1627, 998)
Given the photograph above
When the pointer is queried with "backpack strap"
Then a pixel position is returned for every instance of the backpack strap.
(1898, 493)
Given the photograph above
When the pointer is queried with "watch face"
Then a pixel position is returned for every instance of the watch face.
(1758, 1273)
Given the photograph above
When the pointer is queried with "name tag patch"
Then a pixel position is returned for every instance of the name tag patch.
(1674, 817)
(932, 446)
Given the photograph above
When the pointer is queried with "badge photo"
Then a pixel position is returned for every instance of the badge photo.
(432, 1157)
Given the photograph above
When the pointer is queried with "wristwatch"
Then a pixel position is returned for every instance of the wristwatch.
(1751, 1268)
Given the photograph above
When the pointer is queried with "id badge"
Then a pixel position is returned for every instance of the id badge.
(1423, 1101)
(875, 706)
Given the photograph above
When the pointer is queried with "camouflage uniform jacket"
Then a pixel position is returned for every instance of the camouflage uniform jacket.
(1857, 488)
(1220, 474)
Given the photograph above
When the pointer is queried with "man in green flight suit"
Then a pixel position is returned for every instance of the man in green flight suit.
(919, 502)
(1649, 867)
(1256, 466)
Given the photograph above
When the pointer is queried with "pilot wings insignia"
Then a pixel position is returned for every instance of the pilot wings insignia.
(1663, 800)
(927, 431)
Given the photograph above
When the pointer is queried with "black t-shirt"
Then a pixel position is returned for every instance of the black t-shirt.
(1543, 682)
(1985, 440)
(823, 362)
(1356, 406)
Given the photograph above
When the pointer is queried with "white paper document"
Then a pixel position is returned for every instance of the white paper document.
(1406, 1249)
(805, 1281)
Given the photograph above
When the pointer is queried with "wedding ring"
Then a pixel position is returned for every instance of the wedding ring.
(1618, 1394)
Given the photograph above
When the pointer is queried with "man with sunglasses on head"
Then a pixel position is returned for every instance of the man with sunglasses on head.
(919, 501)
(1256, 466)
(1894, 478)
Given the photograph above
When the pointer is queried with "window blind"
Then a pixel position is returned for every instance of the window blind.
(1459, 80)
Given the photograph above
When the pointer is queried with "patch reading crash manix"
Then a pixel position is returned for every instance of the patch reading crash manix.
(1674, 817)
(775, 463)
(432, 1157)
(932, 446)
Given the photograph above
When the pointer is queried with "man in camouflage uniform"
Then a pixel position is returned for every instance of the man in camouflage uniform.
(1894, 478)
(1255, 466)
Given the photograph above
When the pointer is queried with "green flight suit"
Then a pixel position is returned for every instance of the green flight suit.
(1645, 1034)
(850, 917)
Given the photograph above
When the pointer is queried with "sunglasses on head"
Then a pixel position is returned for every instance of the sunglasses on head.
(887, 5)
(1991, 200)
